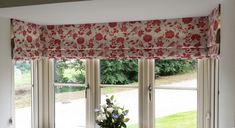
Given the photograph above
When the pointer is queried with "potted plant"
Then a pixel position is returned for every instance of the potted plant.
(110, 115)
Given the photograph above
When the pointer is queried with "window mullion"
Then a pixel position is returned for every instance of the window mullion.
(51, 95)
(40, 94)
(146, 96)
(97, 84)
(207, 93)
(200, 95)
(216, 99)
(92, 78)
(152, 101)
(35, 100)
(44, 90)
(141, 99)
(88, 63)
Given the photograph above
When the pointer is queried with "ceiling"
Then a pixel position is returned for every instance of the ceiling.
(99, 11)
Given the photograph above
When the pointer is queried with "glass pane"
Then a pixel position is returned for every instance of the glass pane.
(70, 106)
(23, 96)
(175, 108)
(72, 71)
(127, 98)
(121, 73)
(70, 109)
(176, 73)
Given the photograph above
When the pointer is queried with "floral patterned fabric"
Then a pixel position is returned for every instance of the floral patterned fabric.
(183, 38)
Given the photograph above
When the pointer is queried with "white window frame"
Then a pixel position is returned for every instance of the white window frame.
(34, 110)
(43, 93)
(208, 93)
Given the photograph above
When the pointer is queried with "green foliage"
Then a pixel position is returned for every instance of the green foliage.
(75, 74)
(60, 66)
(24, 67)
(118, 71)
(173, 67)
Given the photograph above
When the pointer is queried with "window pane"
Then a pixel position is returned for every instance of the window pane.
(170, 73)
(127, 98)
(175, 108)
(122, 73)
(175, 93)
(72, 71)
(70, 106)
(23, 97)
(70, 111)
(119, 72)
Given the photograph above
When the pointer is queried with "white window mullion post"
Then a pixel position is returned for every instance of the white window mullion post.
(35, 108)
(40, 94)
(216, 104)
(204, 94)
(145, 94)
(91, 93)
(141, 99)
(212, 90)
(51, 95)
(207, 93)
(44, 94)
(88, 104)
(144, 99)
(152, 101)
(97, 85)
(200, 94)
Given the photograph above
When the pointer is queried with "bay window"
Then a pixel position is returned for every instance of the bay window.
(73, 69)
(71, 91)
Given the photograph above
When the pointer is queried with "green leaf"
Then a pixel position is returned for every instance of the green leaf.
(126, 119)
(112, 97)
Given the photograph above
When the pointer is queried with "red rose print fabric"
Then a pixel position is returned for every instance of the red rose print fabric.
(184, 38)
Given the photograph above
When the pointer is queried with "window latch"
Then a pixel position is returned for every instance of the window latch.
(86, 89)
(150, 88)
(11, 121)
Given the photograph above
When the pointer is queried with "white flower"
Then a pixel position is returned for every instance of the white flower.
(104, 105)
(110, 110)
(101, 117)
(116, 105)
(102, 109)
(119, 111)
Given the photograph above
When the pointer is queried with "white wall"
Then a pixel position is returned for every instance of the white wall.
(227, 66)
(5, 74)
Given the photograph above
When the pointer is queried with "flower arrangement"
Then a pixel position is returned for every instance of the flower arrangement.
(110, 115)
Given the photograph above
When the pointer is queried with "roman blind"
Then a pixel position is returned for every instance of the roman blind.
(181, 38)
